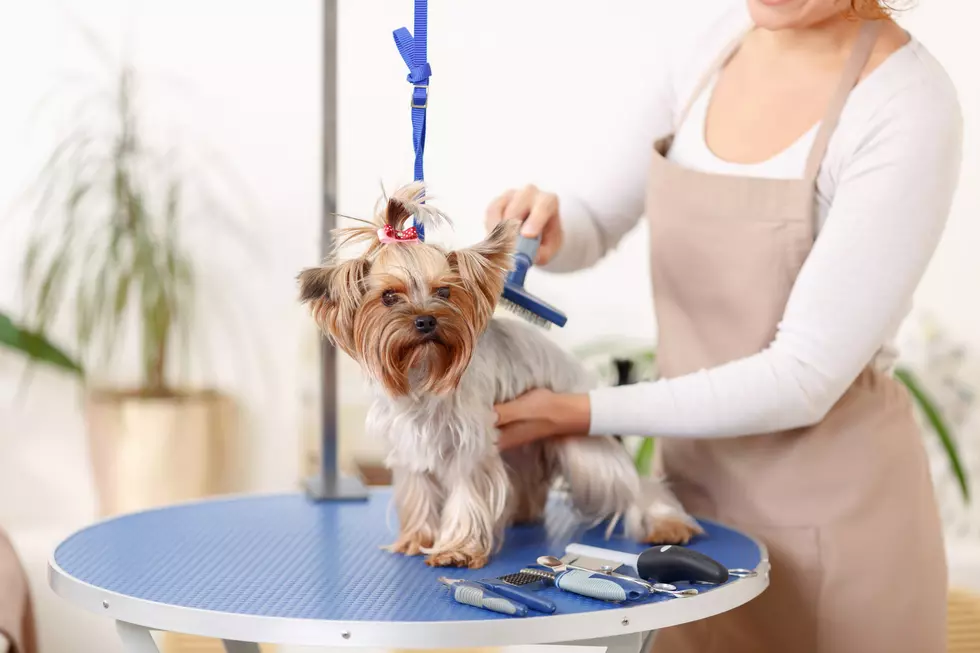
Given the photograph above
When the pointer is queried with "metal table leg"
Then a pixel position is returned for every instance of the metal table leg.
(649, 641)
(136, 639)
(232, 646)
(631, 643)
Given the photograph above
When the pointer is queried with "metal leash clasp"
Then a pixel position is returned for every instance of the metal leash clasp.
(425, 103)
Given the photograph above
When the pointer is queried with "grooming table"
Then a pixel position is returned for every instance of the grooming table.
(282, 569)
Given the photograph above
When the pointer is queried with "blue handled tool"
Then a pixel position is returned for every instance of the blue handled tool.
(594, 584)
(474, 594)
(526, 597)
(517, 299)
(600, 586)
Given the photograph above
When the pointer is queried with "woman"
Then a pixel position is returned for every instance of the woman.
(812, 149)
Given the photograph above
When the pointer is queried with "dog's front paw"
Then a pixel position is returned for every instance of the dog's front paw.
(672, 529)
(411, 544)
(457, 558)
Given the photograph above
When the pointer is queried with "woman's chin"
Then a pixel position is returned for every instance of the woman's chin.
(790, 14)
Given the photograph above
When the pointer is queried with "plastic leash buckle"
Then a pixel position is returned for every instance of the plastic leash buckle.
(425, 103)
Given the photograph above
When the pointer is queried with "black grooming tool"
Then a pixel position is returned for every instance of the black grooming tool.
(671, 564)
(661, 564)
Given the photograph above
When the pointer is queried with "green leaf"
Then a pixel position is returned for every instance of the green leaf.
(35, 346)
(617, 348)
(644, 456)
(933, 415)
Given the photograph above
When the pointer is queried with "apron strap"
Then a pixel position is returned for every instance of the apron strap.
(716, 64)
(863, 47)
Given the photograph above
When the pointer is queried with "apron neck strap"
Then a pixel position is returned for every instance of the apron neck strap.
(863, 47)
(717, 64)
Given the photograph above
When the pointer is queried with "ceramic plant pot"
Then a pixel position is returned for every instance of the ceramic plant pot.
(149, 451)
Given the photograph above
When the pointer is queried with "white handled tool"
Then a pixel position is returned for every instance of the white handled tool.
(664, 564)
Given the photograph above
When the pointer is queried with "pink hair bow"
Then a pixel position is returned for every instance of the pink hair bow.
(388, 234)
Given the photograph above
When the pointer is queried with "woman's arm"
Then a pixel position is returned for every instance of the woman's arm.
(887, 215)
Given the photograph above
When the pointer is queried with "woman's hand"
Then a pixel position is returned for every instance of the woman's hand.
(539, 212)
(539, 414)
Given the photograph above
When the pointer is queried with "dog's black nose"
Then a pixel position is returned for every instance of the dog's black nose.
(425, 324)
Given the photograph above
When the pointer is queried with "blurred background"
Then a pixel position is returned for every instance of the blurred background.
(160, 188)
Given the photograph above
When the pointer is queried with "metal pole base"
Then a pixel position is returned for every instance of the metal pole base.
(339, 488)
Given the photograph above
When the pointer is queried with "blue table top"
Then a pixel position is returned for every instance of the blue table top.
(285, 556)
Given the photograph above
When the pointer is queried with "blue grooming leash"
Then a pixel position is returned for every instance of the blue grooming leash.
(413, 52)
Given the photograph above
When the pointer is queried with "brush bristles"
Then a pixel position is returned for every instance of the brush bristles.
(524, 313)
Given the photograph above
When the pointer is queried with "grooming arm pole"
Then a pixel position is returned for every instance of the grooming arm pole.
(330, 484)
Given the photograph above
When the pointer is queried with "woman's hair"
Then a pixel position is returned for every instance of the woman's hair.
(876, 9)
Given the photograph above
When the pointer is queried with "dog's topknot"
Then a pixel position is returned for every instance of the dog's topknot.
(408, 203)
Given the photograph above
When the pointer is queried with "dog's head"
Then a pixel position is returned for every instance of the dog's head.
(409, 312)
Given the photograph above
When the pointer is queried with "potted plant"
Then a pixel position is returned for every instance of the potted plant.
(106, 256)
(610, 358)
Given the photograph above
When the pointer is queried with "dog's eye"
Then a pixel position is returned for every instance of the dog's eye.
(389, 297)
(442, 293)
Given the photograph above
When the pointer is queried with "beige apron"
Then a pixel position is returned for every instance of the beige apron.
(845, 507)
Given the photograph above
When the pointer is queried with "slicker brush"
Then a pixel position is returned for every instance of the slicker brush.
(516, 299)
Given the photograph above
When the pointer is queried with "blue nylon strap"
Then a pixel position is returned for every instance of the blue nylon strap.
(413, 52)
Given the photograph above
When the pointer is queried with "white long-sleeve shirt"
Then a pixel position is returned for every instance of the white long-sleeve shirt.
(883, 195)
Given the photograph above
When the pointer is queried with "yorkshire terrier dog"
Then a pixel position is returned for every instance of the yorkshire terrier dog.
(420, 322)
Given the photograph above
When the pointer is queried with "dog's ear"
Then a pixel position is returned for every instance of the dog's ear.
(334, 293)
(483, 267)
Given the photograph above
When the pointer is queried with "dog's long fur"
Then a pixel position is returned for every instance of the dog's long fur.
(454, 491)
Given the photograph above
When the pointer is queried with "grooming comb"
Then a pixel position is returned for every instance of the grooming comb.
(528, 577)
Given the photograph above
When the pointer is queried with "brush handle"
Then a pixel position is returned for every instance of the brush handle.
(471, 593)
(524, 255)
(600, 586)
(529, 247)
(519, 595)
